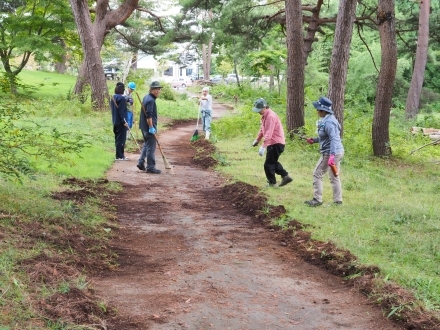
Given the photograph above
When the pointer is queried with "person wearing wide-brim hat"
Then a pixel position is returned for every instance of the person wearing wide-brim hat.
(148, 126)
(332, 151)
(272, 134)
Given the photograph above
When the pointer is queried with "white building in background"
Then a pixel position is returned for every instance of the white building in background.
(174, 70)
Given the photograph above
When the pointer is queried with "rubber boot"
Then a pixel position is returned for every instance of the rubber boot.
(207, 135)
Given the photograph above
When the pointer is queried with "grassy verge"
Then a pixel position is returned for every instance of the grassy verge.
(390, 216)
(54, 229)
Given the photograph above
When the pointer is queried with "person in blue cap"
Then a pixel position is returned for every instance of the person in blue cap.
(332, 151)
(129, 100)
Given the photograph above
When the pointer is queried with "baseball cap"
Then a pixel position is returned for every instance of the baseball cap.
(259, 105)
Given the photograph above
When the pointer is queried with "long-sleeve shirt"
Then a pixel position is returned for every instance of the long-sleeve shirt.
(329, 136)
(206, 104)
(119, 110)
(271, 129)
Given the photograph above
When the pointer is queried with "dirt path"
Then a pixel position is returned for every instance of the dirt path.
(190, 260)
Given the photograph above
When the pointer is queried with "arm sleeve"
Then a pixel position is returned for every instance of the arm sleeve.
(260, 134)
(122, 109)
(149, 108)
(332, 132)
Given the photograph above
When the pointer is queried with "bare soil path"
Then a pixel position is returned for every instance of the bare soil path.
(190, 260)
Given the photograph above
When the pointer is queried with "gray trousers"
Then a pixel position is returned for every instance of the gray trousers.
(148, 151)
(322, 168)
(206, 120)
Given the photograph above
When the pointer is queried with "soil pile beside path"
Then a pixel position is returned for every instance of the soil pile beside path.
(194, 254)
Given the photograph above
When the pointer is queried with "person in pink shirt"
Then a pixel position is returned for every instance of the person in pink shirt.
(272, 133)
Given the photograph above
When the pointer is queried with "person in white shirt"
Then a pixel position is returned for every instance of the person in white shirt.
(206, 110)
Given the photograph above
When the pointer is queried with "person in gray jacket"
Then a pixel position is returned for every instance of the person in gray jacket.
(332, 151)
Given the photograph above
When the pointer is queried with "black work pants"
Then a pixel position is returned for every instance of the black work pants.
(271, 165)
(120, 138)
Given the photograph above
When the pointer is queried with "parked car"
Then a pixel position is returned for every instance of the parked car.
(231, 78)
(111, 73)
(216, 79)
(181, 82)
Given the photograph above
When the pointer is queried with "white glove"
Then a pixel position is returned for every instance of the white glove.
(261, 151)
(255, 143)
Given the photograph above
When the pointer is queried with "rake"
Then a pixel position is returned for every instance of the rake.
(196, 136)
(165, 161)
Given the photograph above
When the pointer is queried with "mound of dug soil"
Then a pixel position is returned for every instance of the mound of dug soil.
(73, 249)
(399, 303)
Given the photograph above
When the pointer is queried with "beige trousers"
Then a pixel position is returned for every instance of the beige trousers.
(322, 168)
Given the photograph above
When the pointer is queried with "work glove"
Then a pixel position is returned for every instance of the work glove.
(255, 143)
(331, 160)
(152, 130)
(310, 141)
(261, 151)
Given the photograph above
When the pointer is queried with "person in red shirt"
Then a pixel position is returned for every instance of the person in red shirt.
(272, 133)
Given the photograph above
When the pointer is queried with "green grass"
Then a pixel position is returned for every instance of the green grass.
(30, 201)
(390, 216)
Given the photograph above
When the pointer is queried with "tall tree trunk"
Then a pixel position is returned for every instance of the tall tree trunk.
(340, 56)
(311, 30)
(61, 66)
(105, 20)
(204, 62)
(92, 58)
(387, 76)
(236, 73)
(295, 66)
(271, 78)
(206, 58)
(413, 99)
(134, 61)
(98, 32)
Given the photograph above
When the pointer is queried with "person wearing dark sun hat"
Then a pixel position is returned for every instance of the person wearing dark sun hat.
(331, 149)
(272, 134)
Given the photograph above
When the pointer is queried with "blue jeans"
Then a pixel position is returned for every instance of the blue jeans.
(130, 119)
(206, 120)
(148, 151)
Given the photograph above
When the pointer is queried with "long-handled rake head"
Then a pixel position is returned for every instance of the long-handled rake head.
(195, 136)
(165, 161)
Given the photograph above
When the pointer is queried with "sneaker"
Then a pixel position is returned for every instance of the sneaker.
(286, 179)
(124, 158)
(338, 203)
(141, 167)
(313, 203)
(154, 171)
(270, 185)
